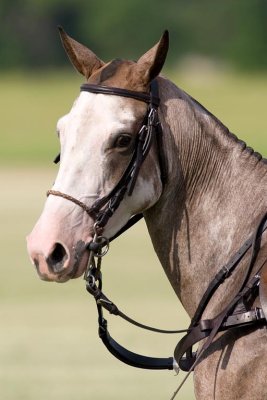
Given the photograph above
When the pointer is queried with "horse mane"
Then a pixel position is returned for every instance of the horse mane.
(244, 147)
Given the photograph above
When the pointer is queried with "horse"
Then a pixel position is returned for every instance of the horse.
(212, 197)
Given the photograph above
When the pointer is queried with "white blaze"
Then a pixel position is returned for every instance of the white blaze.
(86, 134)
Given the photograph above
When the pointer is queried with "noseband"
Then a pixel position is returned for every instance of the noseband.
(104, 208)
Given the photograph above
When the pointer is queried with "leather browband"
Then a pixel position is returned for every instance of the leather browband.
(141, 96)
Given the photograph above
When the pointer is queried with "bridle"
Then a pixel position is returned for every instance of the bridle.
(237, 314)
(104, 208)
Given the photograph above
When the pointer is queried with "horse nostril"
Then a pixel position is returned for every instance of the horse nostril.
(57, 258)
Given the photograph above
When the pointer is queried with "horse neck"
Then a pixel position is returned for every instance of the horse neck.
(212, 202)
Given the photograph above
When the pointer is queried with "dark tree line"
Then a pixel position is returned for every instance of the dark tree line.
(234, 31)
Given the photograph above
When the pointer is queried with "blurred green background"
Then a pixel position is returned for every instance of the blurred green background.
(218, 53)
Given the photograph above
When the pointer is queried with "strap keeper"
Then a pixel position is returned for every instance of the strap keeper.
(206, 325)
(108, 305)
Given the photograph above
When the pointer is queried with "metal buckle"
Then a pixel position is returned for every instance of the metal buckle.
(97, 248)
(226, 271)
(102, 247)
(151, 115)
(91, 281)
(176, 367)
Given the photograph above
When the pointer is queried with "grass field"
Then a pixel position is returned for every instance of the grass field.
(49, 345)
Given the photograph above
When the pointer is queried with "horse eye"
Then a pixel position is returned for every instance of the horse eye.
(123, 141)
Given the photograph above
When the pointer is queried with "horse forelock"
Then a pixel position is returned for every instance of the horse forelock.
(120, 73)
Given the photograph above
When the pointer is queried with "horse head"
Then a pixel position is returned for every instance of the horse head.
(97, 139)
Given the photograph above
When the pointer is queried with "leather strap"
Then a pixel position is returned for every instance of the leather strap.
(205, 329)
(132, 221)
(210, 327)
(219, 322)
(130, 358)
(103, 301)
(120, 352)
(228, 269)
(159, 139)
(79, 203)
(263, 290)
(115, 91)
(149, 98)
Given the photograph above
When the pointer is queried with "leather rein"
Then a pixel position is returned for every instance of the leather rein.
(103, 209)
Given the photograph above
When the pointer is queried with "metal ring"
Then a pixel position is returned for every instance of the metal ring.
(91, 281)
(95, 229)
(104, 242)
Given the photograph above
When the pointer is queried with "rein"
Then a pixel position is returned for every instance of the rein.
(104, 208)
(198, 329)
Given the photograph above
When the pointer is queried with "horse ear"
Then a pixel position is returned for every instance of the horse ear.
(153, 60)
(83, 59)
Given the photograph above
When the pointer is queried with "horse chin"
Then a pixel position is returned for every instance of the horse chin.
(53, 278)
